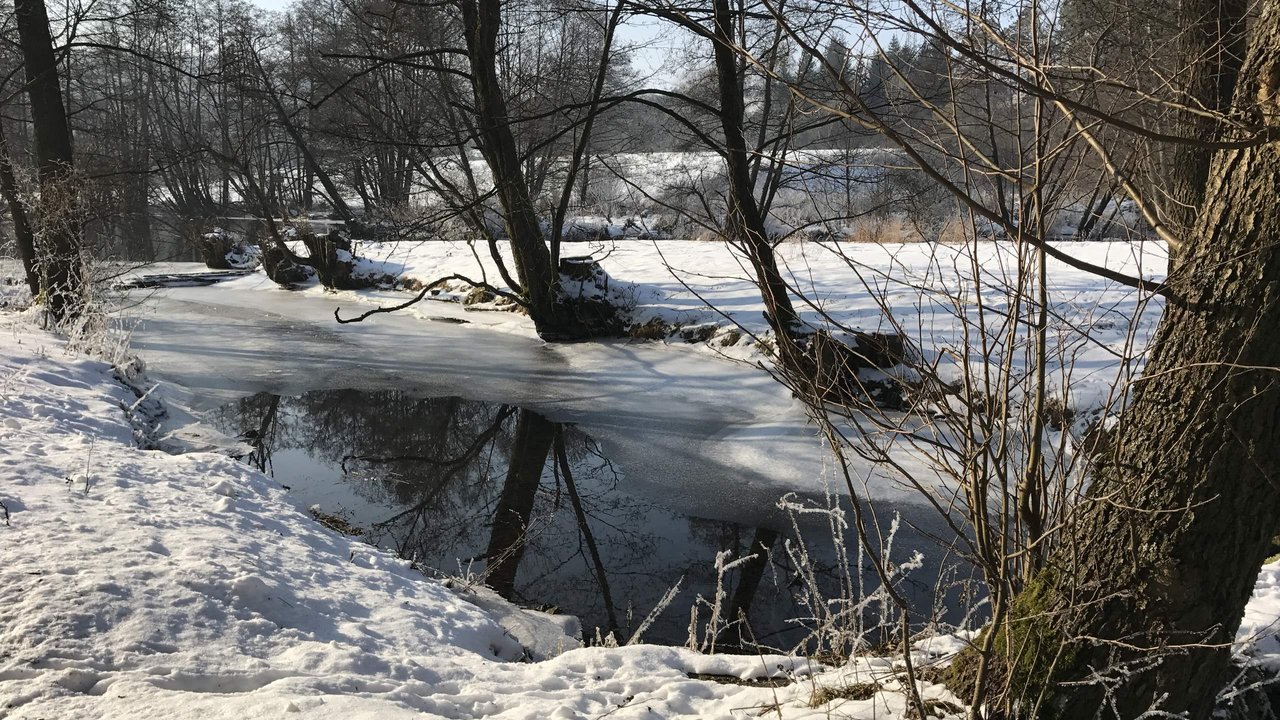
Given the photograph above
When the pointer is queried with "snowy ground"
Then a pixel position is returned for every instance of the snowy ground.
(134, 583)
(140, 584)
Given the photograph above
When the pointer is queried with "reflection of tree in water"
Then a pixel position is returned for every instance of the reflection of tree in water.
(398, 449)
(467, 480)
(259, 416)
(529, 505)
(744, 586)
(543, 517)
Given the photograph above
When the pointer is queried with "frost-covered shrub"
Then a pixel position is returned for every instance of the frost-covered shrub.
(14, 293)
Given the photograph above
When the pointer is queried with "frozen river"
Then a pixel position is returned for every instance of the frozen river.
(699, 449)
(678, 420)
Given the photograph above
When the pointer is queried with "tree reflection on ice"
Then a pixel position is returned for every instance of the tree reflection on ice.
(531, 507)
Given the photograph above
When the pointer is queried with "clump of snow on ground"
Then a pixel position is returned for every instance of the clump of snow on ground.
(14, 293)
(1259, 634)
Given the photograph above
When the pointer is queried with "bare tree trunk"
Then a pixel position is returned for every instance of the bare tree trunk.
(140, 186)
(539, 279)
(1212, 43)
(59, 235)
(746, 222)
(580, 159)
(311, 163)
(22, 233)
(529, 450)
(1182, 509)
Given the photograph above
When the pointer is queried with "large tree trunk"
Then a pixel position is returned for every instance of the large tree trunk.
(59, 234)
(1181, 511)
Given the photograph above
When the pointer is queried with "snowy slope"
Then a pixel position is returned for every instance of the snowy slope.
(136, 584)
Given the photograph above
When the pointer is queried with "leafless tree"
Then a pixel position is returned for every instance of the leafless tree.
(1155, 557)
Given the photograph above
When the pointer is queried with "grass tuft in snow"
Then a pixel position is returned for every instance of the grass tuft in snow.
(853, 691)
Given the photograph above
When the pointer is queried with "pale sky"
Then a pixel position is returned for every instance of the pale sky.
(657, 37)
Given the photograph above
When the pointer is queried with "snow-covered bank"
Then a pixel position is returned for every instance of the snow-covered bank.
(701, 294)
(138, 584)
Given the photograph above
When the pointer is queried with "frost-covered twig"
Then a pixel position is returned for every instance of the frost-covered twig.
(662, 604)
(9, 380)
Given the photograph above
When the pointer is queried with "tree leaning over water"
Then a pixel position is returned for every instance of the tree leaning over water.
(1183, 507)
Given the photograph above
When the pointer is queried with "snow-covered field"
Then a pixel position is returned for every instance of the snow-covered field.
(1097, 326)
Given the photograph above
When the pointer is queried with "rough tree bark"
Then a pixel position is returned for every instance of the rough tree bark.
(59, 228)
(1182, 509)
